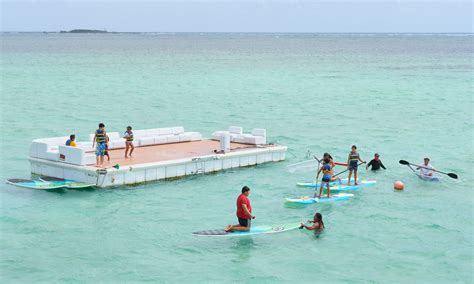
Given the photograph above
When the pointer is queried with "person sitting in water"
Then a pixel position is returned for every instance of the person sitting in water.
(71, 141)
(244, 212)
(353, 164)
(318, 224)
(375, 163)
(128, 136)
(326, 168)
(427, 169)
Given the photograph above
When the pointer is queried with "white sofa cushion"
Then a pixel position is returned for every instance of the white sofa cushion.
(117, 144)
(160, 140)
(185, 137)
(139, 133)
(52, 155)
(195, 136)
(259, 132)
(165, 131)
(145, 141)
(216, 135)
(178, 130)
(236, 130)
(153, 132)
(172, 139)
(114, 136)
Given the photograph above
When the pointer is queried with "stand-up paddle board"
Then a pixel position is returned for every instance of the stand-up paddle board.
(312, 184)
(34, 184)
(345, 187)
(254, 230)
(66, 182)
(322, 199)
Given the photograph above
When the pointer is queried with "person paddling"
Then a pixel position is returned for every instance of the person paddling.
(244, 212)
(427, 169)
(353, 164)
(326, 168)
(317, 223)
(375, 163)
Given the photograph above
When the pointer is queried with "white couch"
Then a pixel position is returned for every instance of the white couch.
(258, 136)
(47, 148)
(154, 136)
(76, 156)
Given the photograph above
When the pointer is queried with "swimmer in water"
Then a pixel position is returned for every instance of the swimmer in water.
(317, 223)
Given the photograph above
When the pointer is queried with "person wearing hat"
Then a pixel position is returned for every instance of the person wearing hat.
(375, 163)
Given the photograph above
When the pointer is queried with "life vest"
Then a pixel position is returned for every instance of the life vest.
(326, 169)
(100, 136)
(129, 137)
(354, 157)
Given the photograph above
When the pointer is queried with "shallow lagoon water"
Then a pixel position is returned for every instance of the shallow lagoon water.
(404, 96)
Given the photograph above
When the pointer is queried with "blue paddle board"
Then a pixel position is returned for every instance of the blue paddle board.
(66, 182)
(312, 184)
(254, 230)
(323, 199)
(34, 184)
(345, 187)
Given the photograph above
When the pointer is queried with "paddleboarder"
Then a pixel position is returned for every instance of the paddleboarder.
(244, 212)
(326, 168)
(353, 164)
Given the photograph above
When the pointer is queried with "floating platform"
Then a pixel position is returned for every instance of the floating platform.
(157, 162)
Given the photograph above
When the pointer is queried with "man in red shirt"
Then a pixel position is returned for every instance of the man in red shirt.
(244, 212)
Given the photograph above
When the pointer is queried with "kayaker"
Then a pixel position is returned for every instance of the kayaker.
(353, 164)
(244, 212)
(100, 137)
(375, 163)
(318, 224)
(427, 168)
(71, 141)
(326, 168)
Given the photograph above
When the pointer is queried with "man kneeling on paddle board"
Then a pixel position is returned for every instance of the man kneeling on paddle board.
(244, 212)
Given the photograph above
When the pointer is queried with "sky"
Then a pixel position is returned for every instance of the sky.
(340, 16)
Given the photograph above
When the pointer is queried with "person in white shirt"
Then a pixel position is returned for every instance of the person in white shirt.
(427, 169)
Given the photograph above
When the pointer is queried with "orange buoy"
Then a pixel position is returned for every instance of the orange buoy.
(398, 185)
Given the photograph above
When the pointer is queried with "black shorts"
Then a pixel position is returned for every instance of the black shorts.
(353, 166)
(244, 222)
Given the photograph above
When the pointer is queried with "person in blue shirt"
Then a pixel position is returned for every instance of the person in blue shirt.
(71, 141)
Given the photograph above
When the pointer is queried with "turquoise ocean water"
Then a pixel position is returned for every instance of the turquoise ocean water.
(404, 96)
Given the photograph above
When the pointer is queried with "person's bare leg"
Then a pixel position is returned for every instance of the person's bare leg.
(239, 228)
(329, 190)
(97, 160)
(131, 150)
(349, 178)
(355, 178)
(126, 150)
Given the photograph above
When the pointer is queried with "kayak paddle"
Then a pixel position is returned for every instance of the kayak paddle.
(451, 175)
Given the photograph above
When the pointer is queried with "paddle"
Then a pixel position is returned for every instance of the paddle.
(346, 170)
(317, 175)
(451, 175)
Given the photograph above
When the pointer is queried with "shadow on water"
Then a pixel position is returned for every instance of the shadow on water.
(243, 247)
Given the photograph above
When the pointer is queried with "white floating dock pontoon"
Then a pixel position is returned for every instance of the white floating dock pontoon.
(160, 153)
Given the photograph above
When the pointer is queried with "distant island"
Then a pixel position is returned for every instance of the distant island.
(84, 31)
